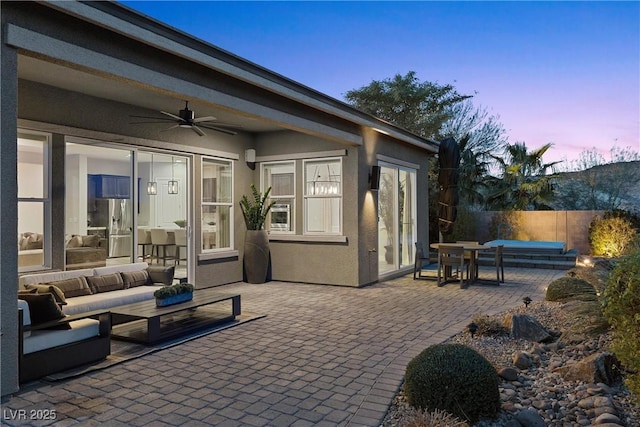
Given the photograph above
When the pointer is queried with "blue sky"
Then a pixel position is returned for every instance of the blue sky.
(561, 72)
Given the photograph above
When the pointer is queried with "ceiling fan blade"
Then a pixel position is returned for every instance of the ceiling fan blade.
(219, 129)
(154, 118)
(197, 130)
(204, 119)
(141, 123)
(171, 115)
(170, 127)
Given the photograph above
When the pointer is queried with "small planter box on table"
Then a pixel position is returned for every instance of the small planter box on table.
(174, 299)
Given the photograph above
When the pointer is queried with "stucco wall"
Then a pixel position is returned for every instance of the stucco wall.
(8, 222)
(315, 262)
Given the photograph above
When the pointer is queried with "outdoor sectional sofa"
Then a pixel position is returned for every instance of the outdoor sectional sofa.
(64, 318)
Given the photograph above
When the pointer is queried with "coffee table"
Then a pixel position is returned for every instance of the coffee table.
(143, 322)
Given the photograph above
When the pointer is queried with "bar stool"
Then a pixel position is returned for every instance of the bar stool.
(181, 242)
(160, 238)
(144, 240)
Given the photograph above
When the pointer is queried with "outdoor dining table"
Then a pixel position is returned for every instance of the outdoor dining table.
(474, 248)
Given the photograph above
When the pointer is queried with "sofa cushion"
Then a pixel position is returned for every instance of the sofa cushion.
(106, 283)
(78, 330)
(57, 293)
(42, 308)
(74, 287)
(133, 279)
(121, 268)
(107, 300)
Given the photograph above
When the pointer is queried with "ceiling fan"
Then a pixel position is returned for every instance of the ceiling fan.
(186, 119)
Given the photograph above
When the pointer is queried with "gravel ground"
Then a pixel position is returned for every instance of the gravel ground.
(558, 402)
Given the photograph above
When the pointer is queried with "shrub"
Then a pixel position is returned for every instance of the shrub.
(453, 378)
(610, 236)
(489, 325)
(570, 288)
(621, 301)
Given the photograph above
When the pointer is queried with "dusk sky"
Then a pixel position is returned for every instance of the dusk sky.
(561, 72)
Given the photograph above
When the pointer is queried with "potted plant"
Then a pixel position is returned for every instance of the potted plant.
(173, 294)
(256, 242)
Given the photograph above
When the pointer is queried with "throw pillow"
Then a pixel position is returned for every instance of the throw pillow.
(75, 287)
(75, 242)
(106, 283)
(57, 293)
(43, 308)
(34, 241)
(161, 274)
(26, 291)
(90, 241)
(132, 279)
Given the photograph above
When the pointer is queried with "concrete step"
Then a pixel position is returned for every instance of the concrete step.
(532, 263)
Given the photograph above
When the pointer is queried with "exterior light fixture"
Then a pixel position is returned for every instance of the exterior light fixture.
(526, 301)
(172, 186)
(152, 186)
(374, 178)
(473, 328)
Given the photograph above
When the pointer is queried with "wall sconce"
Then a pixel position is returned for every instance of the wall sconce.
(374, 178)
(172, 185)
(250, 158)
(152, 186)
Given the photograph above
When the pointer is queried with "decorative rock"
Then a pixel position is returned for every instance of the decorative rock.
(522, 360)
(604, 410)
(509, 374)
(541, 404)
(607, 418)
(586, 403)
(598, 367)
(522, 326)
(530, 418)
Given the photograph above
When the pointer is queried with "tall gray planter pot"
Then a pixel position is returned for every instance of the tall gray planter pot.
(256, 256)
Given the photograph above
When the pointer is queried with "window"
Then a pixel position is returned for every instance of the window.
(217, 204)
(323, 196)
(281, 178)
(34, 204)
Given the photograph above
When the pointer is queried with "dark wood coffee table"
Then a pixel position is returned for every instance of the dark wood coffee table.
(143, 322)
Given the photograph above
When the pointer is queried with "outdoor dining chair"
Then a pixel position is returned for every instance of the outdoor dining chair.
(449, 257)
(420, 259)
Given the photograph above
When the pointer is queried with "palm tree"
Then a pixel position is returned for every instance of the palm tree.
(525, 183)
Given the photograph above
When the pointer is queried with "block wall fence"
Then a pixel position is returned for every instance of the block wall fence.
(571, 227)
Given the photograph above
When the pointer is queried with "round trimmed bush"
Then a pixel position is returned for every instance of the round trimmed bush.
(453, 378)
(570, 288)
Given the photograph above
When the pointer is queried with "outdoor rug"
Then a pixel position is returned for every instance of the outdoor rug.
(121, 351)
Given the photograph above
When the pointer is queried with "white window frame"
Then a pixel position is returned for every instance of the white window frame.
(307, 197)
(45, 200)
(230, 204)
(292, 197)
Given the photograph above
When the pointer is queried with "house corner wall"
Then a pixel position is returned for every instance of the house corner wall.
(8, 221)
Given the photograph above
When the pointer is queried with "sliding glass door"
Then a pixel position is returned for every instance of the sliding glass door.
(396, 218)
(115, 196)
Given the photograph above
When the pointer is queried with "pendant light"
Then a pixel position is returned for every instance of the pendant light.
(152, 186)
(173, 184)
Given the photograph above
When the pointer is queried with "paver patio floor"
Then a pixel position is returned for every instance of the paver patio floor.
(323, 355)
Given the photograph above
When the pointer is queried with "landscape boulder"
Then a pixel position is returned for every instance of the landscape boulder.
(522, 326)
(596, 368)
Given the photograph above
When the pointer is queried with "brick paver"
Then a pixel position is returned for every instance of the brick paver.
(323, 355)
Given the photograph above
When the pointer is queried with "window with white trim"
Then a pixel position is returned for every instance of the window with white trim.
(281, 177)
(217, 204)
(322, 196)
(34, 203)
